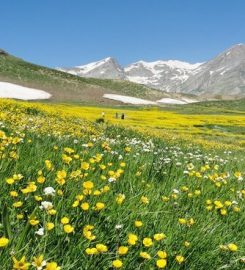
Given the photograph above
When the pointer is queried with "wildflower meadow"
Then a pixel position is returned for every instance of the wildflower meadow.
(76, 194)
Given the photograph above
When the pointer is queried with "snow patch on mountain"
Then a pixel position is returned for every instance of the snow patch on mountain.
(129, 100)
(10, 90)
(171, 101)
(139, 101)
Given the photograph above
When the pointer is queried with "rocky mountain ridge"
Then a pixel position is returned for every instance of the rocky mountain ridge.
(223, 76)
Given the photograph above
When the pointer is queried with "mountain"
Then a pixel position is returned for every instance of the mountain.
(107, 68)
(65, 87)
(163, 75)
(221, 77)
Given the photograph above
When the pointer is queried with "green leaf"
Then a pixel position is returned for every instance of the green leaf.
(5, 221)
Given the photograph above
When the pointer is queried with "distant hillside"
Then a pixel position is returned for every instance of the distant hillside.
(212, 107)
(222, 77)
(66, 87)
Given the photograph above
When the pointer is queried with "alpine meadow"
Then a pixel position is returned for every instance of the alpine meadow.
(129, 164)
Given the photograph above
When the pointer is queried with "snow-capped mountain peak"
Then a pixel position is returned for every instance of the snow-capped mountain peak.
(92, 65)
(221, 76)
(170, 63)
(164, 75)
(107, 68)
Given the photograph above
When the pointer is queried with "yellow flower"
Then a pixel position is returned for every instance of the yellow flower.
(41, 179)
(97, 192)
(138, 223)
(38, 262)
(132, 239)
(159, 236)
(80, 197)
(117, 263)
(60, 181)
(165, 199)
(187, 244)
(179, 259)
(197, 192)
(145, 255)
(162, 254)
(13, 194)
(91, 251)
(52, 212)
(105, 189)
(49, 226)
(38, 198)
(68, 228)
(66, 159)
(122, 250)
(88, 185)
(17, 204)
(184, 188)
(85, 206)
(161, 263)
(182, 221)
(75, 204)
(102, 166)
(138, 173)
(3, 241)
(228, 203)
(65, 220)
(120, 198)
(237, 174)
(21, 264)
(223, 247)
(61, 174)
(99, 206)
(191, 221)
(20, 216)
(144, 200)
(208, 202)
(10, 181)
(223, 212)
(218, 204)
(147, 242)
(236, 209)
(60, 192)
(232, 247)
(85, 166)
(87, 232)
(34, 222)
(52, 266)
(48, 165)
(101, 248)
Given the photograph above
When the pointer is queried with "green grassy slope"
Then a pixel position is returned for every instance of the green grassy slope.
(211, 107)
(67, 87)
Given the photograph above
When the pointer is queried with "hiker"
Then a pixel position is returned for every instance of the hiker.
(122, 116)
(116, 115)
(103, 115)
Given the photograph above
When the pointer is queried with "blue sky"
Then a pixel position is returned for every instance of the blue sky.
(73, 32)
